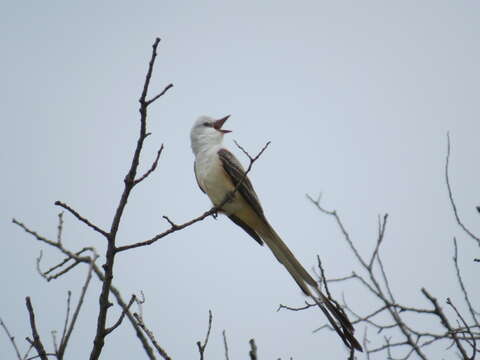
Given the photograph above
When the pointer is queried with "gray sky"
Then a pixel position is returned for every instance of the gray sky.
(356, 99)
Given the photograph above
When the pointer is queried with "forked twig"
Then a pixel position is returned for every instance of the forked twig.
(201, 347)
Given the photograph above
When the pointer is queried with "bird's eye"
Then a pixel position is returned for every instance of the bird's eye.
(207, 124)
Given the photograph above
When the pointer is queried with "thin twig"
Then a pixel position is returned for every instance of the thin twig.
(201, 347)
(54, 340)
(63, 345)
(81, 218)
(11, 338)
(152, 168)
(172, 229)
(150, 335)
(122, 315)
(68, 253)
(60, 227)
(307, 306)
(469, 331)
(100, 275)
(30, 347)
(60, 273)
(365, 343)
(443, 319)
(381, 233)
(373, 285)
(37, 356)
(473, 313)
(138, 330)
(160, 94)
(59, 265)
(450, 195)
(341, 227)
(67, 317)
(323, 278)
(254, 158)
(225, 345)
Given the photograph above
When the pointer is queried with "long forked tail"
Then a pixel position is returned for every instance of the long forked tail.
(335, 315)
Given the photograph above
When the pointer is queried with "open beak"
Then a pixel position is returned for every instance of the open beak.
(217, 124)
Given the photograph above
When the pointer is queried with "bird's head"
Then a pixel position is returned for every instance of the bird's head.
(207, 132)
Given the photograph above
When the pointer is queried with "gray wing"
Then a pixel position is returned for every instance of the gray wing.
(235, 171)
(247, 228)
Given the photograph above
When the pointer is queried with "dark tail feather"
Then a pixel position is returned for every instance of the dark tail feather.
(345, 330)
(344, 327)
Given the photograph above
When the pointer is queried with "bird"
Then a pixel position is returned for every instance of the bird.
(221, 176)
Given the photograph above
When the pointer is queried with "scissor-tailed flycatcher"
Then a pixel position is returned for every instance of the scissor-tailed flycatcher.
(218, 173)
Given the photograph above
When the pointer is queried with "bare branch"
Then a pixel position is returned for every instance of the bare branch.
(36, 342)
(307, 306)
(63, 344)
(450, 196)
(225, 344)
(35, 235)
(365, 345)
(38, 356)
(152, 168)
(28, 352)
(385, 279)
(172, 229)
(323, 278)
(54, 340)
(374, 286)
(255, 158)
(469, 331)
(201, 347)
(253, 350)
(342, 228)
(60, 227)
(150, 335)
(130, 316)
(473, 313)
(59, 246)
(106, 275)
(67, 318)
(100, 275)
(81, 218)
(381, 233)
(60, 273)
(45, 274)
(122, 315)
(148, 102)
(443, 319)
(148, 77)
(11, 338)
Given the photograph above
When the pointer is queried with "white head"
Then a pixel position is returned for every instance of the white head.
(207, 132)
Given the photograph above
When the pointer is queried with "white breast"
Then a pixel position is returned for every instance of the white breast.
(212, 177)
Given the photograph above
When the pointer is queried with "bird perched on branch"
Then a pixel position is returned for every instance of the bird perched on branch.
(221, 176)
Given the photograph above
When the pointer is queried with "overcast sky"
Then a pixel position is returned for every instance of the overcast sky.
(356, 98)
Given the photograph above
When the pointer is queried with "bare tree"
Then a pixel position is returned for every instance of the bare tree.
(398, 324)
(88, 256)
